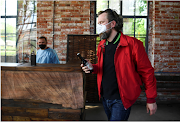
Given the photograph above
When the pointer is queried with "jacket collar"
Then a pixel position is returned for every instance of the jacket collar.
(123, 41)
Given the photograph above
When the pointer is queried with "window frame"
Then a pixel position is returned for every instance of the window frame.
(5, 17)
(5, 33)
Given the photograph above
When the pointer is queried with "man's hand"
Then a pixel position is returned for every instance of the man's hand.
(85, 68)
(152, 107)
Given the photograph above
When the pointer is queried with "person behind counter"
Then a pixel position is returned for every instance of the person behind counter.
(123, 66)
(46, 54)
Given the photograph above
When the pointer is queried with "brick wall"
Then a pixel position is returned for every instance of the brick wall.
(70, 17)
(164, 35)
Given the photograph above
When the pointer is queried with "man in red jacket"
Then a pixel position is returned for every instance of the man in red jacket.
(123, 66)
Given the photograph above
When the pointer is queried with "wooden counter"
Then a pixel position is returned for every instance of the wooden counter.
(41, 67)
(42, 92)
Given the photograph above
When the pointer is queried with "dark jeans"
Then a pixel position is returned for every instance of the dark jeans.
(115, 110)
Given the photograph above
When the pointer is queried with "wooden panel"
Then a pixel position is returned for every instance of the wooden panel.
(36, 110)
(20, 118)
(65, 113)
(6, 118)
(65, 116)
(27, 103)
(25, 112)
(65, 110)
(61, 88)
(46, 119)
(86, 45)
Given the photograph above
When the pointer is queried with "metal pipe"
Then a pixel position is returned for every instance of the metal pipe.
(5, 31)
(17, 33)
(53, 23)
(95, 15)
(147, 30)
(134, 18)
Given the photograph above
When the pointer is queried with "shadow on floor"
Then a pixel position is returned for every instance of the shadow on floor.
(165, 112)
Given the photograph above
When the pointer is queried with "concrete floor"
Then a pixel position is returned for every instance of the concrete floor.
(165, 112)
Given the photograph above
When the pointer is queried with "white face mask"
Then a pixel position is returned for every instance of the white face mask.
(102, 28)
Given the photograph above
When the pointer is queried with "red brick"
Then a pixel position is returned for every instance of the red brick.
(171, 63)
(168, 27)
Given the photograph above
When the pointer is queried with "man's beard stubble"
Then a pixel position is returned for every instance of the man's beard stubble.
(105, 35)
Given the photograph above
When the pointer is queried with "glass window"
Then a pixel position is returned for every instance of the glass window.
(10, 47)
(141, 29)
(101, 5)
(11, 40)
(2, 7)
(11, 25)
(141, 8)
(25, 28)
(115, 5)
(128, 26)
(2, 40)
(11, 7)
(8, 30)
(141, 25)
(128, 7)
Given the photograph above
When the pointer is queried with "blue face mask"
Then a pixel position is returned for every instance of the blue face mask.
(102, 28)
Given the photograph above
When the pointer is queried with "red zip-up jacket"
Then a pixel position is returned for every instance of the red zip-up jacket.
(132, 68)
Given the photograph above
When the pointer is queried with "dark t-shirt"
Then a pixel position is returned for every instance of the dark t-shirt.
(109, 84)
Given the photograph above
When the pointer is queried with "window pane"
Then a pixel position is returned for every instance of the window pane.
(141, 27)
(2, 27)
(2, 44)
(128, 26)
(2, 39)
(141, 8)
(11, 40)
(2, 7)
(11, 7)
(11, 49)
(115, 5)
(11, 46)
(141, 24)
(101, 5)
(10, 25)
(128, 7)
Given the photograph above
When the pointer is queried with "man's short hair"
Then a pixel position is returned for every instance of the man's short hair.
(112, 15)
(42, 37)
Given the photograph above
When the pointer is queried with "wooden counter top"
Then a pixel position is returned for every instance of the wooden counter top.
(42, 67)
